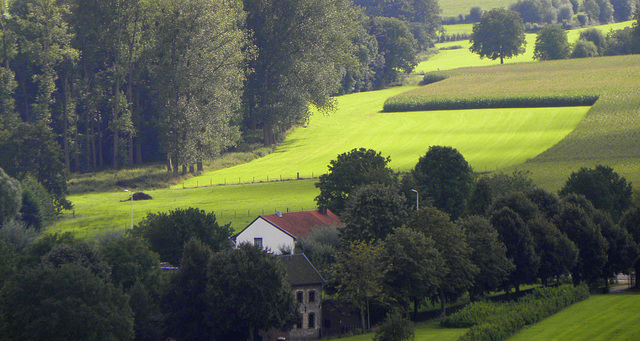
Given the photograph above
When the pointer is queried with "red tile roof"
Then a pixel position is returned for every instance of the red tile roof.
(299, 224)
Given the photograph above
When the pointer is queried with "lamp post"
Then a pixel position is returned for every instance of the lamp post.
(126, 190)
(417, 199)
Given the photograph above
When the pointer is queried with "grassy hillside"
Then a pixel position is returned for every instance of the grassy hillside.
(601, 317)
(610, 133)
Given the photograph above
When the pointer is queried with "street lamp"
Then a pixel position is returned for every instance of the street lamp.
(417, 199)
(126, 190)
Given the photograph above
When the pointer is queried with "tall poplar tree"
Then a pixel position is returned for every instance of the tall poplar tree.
(200, 50)
(302, 48)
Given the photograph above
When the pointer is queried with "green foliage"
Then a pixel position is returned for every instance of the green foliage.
(302, 47)
(489, 255)
(395, 328)
(520, 244)
(603, 187)
(184, 302)
(450, 240)
(444, 178)
(10, 197)
(433, 77)
(38, 206)
(595, 36)
(500, 34)
(242, 303)
(397, 45)
(577, 223)
(347, 172)
(558, 254)
(372, 212)
(358, 275)
(498, 321)
(552, 43)
(584, 49)
(166, 233)
(416, 267)
(80, 253)
(503, 184)
(630, 221)
(320, 246)
(32, 149)
(65, 303)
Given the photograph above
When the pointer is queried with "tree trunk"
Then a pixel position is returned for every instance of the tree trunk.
(199, 166)
(169, 164)
(362, 320)
(192, 169)
(114, 120)
(65, 123)
(443, 303)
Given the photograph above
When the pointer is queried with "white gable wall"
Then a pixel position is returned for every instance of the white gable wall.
(273, 238)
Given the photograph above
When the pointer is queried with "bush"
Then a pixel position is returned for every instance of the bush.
(433, 77)
(395, 328)
(584, 49)
(497, 321)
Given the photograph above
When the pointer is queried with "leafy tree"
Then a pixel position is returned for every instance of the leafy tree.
(547, 203)
(167, 232)
(500, 34)
(577, 223)
(395, 328)
(595, 36)
(606, 11)
(565, 13)
(35, 251)
(520, 246)
(18, 235)
(38, 207)
(622, 251)
(630, 221)
(358, 275)
(416, 265)
(372, 212)
(320, 246)
(302, 46)
(621, 42)
(65, 303)
(552, 43)
(603, 187)
(350, 170)
(32, 149)
(134, 268)
(8, 261)
(397, 45)
(450, 239)
(518, 203)
(185, 305)
(489, 255)
(10, 197)
(503, 184)
(79, 253)
(201, 49)
(584, 49)
(481, 198)
(558, 254)
(241, 303)
(443, 177)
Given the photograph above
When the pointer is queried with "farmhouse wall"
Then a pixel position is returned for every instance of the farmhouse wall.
(272, 238)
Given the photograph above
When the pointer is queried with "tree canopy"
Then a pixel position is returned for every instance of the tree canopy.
(499, 34)
(551, 43)
(348, 171)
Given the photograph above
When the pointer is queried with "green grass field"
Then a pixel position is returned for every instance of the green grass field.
(451, 8)
(459, 58)
(430, 331)
(601, 317)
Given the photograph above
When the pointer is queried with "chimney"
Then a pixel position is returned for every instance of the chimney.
(279, 214)
(322, 210)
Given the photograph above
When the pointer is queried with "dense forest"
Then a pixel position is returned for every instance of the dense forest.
(109, 83)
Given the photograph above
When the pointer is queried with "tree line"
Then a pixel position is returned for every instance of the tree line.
(124, 82)
(470, 234)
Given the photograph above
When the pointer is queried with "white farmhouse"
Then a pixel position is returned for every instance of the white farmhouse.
(280, 231)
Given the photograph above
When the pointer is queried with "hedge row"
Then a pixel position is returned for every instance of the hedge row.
(498, 321)
(416, 103)
(432, 77)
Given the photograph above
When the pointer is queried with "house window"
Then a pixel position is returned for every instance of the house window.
(257, 241)
(299, 296)
(312, 320)
(312, 296)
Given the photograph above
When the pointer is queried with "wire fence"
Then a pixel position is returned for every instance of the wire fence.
(240, 181)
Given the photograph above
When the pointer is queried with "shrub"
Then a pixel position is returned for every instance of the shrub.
(395, 328)
(497, 321)
(433, 77)
(584, 49)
